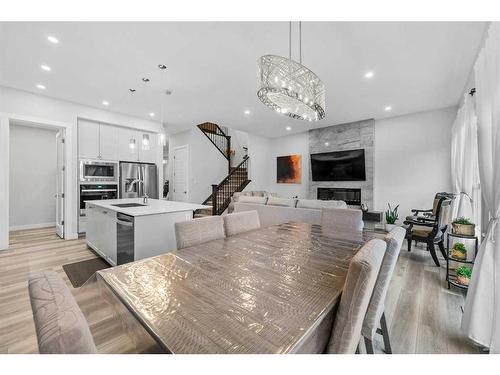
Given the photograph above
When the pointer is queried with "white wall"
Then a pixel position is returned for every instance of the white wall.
(239, 140)
(412, 159)
(32, 177)
(207, 165)
(259, 164)
(290, 145)
(41, 109)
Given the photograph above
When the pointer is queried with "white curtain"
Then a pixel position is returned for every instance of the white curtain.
(481, 320)
(464, 164)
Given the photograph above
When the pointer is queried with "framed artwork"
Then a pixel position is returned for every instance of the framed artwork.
(289, 169)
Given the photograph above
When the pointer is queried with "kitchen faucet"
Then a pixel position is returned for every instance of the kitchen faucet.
(130, 189)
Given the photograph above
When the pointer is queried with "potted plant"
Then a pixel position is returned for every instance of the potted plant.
(391, 216)
(459, 251)
(463, 275)
(463, 226)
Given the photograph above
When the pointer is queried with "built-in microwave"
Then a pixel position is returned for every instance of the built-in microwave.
(98, 171)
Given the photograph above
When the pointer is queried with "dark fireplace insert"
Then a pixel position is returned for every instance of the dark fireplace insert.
(349, 195)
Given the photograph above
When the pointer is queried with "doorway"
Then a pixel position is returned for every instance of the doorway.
(181, 174)
(36, 178)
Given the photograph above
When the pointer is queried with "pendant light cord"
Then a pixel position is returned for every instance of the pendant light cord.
(300, 42)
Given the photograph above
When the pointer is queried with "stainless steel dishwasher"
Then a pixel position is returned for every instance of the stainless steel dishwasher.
(125, 238)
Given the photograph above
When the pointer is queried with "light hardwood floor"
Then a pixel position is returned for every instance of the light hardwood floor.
(423, 315)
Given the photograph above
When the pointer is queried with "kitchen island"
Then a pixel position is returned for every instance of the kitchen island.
(125, 230)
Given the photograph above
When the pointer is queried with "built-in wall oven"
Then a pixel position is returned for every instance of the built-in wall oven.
(98, 171)
(98, 180)
(91, 192)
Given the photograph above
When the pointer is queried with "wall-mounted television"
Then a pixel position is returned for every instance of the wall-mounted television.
(339, 166)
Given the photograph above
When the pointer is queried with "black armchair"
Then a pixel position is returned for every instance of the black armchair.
(430, 214)
(430, 231)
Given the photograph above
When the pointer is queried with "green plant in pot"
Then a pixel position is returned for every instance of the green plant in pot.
(463, 275)
(459, 251)
(463, 226)
(391, 216)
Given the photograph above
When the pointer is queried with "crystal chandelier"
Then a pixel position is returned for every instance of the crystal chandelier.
(289, 87)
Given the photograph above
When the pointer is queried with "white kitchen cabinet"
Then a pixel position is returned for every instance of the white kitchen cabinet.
(88, 139)
(148, 146)
(101, 232)
(97, 141)
(128, 144)
(108, 142)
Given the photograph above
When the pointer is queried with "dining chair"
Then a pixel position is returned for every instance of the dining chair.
(60, 325)
(358, 289)
(342, 219)
(240, 222)
(197, 231)
(376, 307)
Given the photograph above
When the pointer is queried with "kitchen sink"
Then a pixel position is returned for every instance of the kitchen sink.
(127, 205)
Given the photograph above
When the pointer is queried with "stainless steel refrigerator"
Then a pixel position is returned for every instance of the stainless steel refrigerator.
(138, 180)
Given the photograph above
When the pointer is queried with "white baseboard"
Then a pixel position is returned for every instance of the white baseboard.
(32, 226)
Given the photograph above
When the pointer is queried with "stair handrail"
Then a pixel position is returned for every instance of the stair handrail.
(217, 126)
(215, 188)
(245, 158)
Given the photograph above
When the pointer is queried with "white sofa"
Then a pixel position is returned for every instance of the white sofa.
(274, 210)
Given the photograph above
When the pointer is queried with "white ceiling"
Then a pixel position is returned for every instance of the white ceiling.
(211, 67)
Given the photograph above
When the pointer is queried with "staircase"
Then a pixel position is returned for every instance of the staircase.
(237, 178)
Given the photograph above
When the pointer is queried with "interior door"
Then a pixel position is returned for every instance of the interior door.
(180, 192)
(60, 184)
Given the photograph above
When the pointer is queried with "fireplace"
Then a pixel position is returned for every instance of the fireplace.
(349, 195)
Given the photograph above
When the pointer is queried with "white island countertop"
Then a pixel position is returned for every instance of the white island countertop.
(154, 206)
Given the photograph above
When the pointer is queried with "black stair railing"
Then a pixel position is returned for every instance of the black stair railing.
(219, 138)
(235, 181)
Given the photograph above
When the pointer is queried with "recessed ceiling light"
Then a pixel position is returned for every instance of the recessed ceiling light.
(369, 74)
(105, 102)
(288, 128)
(40, 86)
(327, 144)
(53, 39)
(45, 67)
(131, 90)
(388, 108)
(162, 67)
(145, 80)
(152, 114)
(246, 112)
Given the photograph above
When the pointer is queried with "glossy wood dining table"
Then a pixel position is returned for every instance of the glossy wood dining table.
(271, 290)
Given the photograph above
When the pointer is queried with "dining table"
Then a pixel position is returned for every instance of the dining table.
(270, 290)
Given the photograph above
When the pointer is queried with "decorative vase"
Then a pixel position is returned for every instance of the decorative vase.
(462, 280)
(464, 229)
(389, 227)
(458, 254)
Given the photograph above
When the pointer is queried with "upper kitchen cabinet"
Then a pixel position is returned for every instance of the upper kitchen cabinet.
(148, 146)
(135, 145)
(128, 143)
(97, 141)
(108, 142)
(88, 139)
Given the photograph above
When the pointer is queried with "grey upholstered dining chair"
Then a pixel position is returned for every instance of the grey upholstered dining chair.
(60, 325)
(240, 222)
(358, 289)
(375, 312)
(342, 219)
(198, 231)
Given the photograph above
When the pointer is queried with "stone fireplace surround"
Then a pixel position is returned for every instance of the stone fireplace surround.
(353, 135)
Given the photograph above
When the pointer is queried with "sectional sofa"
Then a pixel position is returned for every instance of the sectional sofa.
(273, 210)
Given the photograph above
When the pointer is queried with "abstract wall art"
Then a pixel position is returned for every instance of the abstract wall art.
(289, 169)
